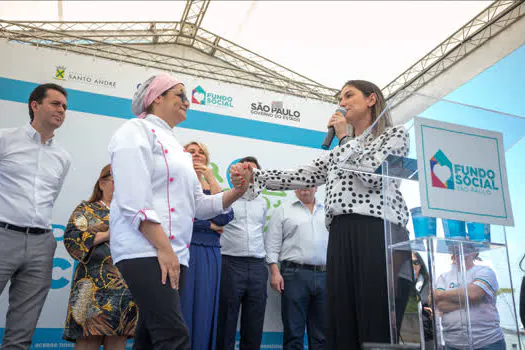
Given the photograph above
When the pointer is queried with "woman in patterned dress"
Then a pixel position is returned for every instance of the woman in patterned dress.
(101, 310)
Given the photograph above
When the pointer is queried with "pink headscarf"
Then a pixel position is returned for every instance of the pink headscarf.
(149, 91)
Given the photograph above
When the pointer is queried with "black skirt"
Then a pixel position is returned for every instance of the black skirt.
(356, 282)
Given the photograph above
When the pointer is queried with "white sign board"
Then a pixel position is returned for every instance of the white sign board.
(462, 173)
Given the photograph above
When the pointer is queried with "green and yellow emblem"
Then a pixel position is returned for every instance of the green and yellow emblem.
(60, 73)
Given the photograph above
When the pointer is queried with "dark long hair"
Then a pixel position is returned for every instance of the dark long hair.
(423, 269)
(96, 195)
(368, 88)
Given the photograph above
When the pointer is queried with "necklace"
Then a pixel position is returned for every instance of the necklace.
(104, 204)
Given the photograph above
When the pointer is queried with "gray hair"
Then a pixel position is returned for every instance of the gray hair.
(137, 104)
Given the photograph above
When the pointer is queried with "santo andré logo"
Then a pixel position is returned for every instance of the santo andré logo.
(84, 77)
(461, 177)
(199, 96)
(60, 73)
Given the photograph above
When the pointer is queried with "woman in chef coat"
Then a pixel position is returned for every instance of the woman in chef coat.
(157, 195)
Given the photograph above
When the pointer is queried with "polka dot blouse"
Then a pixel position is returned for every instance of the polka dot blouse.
(348, 188)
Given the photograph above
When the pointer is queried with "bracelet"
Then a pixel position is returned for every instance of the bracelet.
(344, 138)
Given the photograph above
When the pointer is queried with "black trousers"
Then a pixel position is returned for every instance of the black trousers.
(356, 282)
(243, 287)
(160, 325)
(404, 288)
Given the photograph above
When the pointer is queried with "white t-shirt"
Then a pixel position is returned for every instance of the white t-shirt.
(484, 316)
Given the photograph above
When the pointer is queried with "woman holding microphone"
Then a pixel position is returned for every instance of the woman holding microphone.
(157, 195)
(357, 305)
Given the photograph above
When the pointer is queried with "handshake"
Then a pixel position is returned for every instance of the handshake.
(241, 175)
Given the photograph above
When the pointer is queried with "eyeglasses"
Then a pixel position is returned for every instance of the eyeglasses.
(416, 262)
(182, 96)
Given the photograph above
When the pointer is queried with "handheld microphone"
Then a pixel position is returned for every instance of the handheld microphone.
(331, 131)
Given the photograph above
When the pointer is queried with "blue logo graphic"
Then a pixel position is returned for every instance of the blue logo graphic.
(61, 264)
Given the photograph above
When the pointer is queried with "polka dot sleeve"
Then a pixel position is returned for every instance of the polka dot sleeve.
(369, 156)
(310, 175)
(347, 192)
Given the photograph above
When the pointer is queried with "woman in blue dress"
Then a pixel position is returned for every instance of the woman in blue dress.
(200, 293)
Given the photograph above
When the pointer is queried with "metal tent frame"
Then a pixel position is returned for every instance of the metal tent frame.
(138, 43)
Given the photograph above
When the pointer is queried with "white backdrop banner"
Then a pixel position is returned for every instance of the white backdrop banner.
(462, 173)
(233, 121)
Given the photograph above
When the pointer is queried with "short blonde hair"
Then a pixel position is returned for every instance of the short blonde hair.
(202, 146)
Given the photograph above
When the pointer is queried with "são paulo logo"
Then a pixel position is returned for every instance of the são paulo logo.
(461, 177)
(276, 110)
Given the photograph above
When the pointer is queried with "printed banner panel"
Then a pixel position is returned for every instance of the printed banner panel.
(462, 173)
(120, 80)
(233, 121)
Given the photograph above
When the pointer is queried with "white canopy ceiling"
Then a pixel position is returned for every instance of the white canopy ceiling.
(327, 41)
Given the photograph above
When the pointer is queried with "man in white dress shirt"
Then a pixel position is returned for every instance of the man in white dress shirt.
(32, 170)
(244, 275)
(297, 237)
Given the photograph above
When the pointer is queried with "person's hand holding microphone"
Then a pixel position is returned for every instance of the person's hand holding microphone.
(336, 127)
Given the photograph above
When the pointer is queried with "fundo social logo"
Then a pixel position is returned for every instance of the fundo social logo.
(461, 177)
(199, 96)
